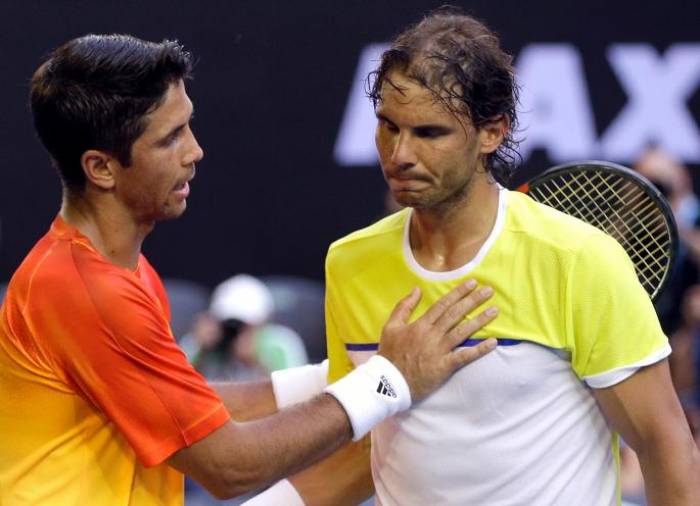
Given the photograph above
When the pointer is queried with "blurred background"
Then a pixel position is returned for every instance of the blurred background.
(289, 157)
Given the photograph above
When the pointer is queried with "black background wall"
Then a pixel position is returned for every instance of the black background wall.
(271, 89)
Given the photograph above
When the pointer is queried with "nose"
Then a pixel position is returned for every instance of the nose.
(403, 153)
(195, 153)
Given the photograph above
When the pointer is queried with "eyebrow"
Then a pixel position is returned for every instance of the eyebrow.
(427, 126)
(379, 115)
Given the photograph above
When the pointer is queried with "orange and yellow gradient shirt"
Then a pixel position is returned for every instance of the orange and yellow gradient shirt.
(94, 392)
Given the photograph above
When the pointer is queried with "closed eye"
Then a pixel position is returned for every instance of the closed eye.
(431, 132)
(386, 123)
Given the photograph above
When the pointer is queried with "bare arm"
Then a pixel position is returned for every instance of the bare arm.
(645, 410)
(256, 399)
(247, 401)
(240, 457)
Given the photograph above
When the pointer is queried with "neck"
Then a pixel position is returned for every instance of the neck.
(110, 229)
(446, 238)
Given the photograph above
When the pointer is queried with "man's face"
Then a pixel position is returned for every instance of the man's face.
(429, 155)
(155, 186)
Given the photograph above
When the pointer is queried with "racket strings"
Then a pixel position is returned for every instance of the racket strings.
(619, 225)
(619, 207)
(584, 196)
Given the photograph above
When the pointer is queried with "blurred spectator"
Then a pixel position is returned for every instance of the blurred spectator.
(234, 341)
(684, 360)
(673, 180)
(299, 305)
(279, 347)
(187, 299)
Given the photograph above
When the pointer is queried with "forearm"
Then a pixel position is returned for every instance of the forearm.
(256, 399)
(269, 449)
(240, 457)
(247, 401)
(671, 472)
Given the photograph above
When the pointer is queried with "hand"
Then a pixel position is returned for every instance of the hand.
(424, 351)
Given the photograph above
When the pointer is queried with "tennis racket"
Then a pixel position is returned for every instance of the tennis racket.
(621, 203)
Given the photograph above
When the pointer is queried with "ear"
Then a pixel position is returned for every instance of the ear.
(492, 133)
(99, 168)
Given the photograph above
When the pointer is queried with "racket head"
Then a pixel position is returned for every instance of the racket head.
(621, 203)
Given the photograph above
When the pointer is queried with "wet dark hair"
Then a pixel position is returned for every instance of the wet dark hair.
(461, 62)
(94, 92)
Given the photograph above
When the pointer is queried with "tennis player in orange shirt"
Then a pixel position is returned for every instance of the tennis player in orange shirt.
(98, 405)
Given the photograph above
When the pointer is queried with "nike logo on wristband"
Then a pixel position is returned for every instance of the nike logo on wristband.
(385, 387)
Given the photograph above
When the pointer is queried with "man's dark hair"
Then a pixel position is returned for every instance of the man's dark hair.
(461, 62)
(93, 93)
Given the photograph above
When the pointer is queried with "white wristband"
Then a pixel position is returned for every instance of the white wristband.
(281, 493)
(299, 384)
(371, 393)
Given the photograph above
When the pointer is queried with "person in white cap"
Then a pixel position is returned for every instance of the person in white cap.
(244, 298)
(222, 342)
(234, 340)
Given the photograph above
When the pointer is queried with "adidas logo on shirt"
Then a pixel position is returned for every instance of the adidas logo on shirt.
(385, 387)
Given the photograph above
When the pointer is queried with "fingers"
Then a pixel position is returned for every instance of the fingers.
(469, 328)
(446, 302)
(464, 356)
(456, 313)
(402, 311)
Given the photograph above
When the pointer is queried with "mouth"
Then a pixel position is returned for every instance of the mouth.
(406, 175)
(183, 189)
(403, 183)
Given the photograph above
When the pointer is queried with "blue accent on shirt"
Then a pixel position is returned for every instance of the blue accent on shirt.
(502, 341)
(361, 347)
